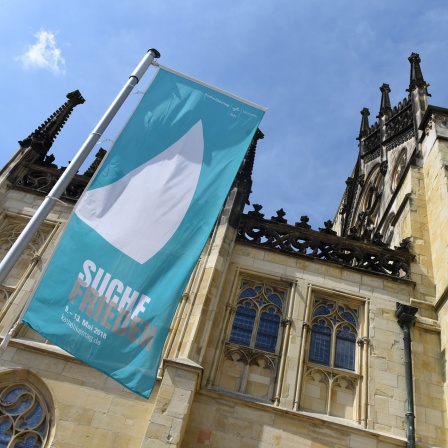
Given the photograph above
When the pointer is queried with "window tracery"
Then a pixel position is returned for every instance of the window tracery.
(24, 416)
(332, 371)
(251, 351)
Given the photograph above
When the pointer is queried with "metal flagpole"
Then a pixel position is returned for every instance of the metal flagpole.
(42, 212)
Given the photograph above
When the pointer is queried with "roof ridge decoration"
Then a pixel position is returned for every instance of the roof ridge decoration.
(43, 137)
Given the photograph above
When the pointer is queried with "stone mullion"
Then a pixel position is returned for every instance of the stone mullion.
(285, 345)
(303, 346)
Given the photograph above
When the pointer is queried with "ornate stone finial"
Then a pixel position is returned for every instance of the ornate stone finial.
(99, 156)
(385, 108)
(245, 172)
(383, 167)
(416, 79)
(303, 222)
(256, 211)
(43, 137)
(280, 217)
(364, 130)
(328, 228)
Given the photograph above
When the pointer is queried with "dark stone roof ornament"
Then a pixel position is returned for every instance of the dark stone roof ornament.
(416, 79)
(256, 211)
(328, 228)
(280, 217)
(364, 130)
(385, 108)
(303, 222)
(43, 137)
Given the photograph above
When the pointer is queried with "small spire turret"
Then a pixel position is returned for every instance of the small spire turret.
(385, 108)
(416, 78)
(364, 130)
(43, 137)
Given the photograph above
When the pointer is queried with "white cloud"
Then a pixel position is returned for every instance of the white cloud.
(44, 54)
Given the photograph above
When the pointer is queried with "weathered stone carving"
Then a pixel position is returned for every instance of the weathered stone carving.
(42, 179)
(399, 122)
(374, 155)
(324, 246)
(256, 211)
(303, 222)
(372, 142)
(280, 217)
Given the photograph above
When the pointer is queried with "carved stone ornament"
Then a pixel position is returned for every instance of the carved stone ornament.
(328, 228)
(399, 122)
(372, 142)
(400, 140)
(374, 155)
(303, 222)
(256, 211)
(324, 246)
(383, 167)
(280, 217)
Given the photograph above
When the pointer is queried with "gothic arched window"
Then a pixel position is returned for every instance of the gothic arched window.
(251, 352)
(257, 317)
(334, 330)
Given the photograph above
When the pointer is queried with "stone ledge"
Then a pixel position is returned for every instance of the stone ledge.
(318, 419)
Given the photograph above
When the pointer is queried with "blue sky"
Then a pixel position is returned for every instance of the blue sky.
(313, 64)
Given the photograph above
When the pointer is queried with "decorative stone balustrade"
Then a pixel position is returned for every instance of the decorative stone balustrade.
(324, 246)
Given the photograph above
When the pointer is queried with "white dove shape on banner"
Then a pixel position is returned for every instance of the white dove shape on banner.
(139, 213)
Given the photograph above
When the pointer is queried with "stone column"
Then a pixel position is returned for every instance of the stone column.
(181, 379)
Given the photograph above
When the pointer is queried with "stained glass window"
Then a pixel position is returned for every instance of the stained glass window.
(320, 343)
(24, 421)
(258, 316)
(333, 335)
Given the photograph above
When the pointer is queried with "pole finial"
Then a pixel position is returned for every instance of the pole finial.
(154, 52)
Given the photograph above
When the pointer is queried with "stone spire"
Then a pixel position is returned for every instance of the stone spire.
(416, 79)
(43, 137)
(385, 108)
(364, 130)
(244, 175)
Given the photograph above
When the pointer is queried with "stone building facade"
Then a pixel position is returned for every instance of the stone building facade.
(285, 336)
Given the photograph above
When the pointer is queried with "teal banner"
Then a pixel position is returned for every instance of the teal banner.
(111, 289)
